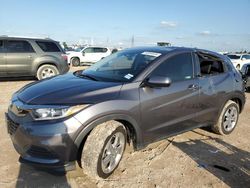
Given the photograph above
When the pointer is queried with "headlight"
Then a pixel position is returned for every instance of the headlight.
(55, 113)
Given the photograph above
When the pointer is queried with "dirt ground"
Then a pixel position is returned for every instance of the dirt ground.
(197, 158)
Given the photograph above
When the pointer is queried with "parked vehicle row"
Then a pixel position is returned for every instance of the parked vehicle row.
(42, 58)
(137, 95)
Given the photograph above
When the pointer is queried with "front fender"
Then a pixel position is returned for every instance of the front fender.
(120, 117)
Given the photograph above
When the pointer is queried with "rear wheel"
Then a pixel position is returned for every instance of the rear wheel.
(228, 119)
(75, 61)
(104, 149)
(46, 71)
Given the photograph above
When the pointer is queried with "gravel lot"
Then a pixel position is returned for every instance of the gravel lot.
(186, 160)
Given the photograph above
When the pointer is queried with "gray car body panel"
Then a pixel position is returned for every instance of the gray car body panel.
(152, 113)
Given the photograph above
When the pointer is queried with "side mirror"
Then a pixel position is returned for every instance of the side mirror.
(158, 81)
(83, 53)
(244, 59)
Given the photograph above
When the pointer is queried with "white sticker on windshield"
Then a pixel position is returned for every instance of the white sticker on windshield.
(128, 76)
(154, 54)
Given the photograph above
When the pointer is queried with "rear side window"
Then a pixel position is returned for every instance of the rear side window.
(1, 46)
(246, 57)
(18, 46)
(177, 68)
(48, 46)
(210, 65)
(100, 50)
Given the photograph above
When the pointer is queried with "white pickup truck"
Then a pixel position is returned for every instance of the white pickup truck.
(87, 55)
(239, 60)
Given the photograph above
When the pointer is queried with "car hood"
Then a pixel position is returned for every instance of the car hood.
(68, 90)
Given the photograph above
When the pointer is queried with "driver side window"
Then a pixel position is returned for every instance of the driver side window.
(177, 68)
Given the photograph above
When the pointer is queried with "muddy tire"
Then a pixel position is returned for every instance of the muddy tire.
(103, 149)
(46, 71)
(228, 119)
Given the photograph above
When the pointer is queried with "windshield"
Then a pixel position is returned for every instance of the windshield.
(234, 56)
(78, 49)
(122, 66)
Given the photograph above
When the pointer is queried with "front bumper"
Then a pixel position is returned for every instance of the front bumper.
(44, 144)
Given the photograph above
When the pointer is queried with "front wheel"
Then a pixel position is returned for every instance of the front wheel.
(103, 149)
(228, 119)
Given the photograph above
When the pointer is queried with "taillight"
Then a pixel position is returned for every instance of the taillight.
(65, 57)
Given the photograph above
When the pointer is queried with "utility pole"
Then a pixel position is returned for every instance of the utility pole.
(132, 41)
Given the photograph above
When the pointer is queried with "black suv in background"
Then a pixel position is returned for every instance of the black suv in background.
(245, 71)
(42, 58)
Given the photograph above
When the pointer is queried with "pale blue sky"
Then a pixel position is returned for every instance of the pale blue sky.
(221, 25)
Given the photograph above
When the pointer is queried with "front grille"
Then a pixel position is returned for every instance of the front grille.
(36, 151)
(11, 126)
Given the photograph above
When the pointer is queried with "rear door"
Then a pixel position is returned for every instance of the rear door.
(2, 59)
(216, 83)
(20, 55)
(100, 53)
(170, 110)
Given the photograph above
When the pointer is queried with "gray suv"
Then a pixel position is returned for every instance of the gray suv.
(42, 58)
(134, 96)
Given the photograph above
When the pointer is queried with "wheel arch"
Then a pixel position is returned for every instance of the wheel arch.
(46, 63)
(132, 128)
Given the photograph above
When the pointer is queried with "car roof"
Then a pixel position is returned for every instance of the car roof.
(168, 49)
(25, 38)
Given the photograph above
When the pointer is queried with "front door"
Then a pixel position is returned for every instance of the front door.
(170, 110)
(20, 55)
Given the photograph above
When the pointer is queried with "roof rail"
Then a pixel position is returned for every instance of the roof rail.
(28, 37)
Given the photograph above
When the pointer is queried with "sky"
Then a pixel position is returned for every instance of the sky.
(219, 25)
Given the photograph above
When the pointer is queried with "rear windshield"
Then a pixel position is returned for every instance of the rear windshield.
(48, 46)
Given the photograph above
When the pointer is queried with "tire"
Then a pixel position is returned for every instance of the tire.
(106, 141)
(228, 119)
(46, 71)
(75, 61)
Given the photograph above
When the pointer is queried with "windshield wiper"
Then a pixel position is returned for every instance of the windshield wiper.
(79, 74)
(88, 76)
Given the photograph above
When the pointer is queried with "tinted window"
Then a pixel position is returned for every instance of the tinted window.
(19, 47)
(1, 46)
(210, 65)
(246, 56)
(48, 46)
(100, 50)
(89, 50)
(234, 56)
(247, 71)
(177, 68)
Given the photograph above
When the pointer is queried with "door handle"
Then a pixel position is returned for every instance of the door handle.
(29, 56)
(193, 87)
